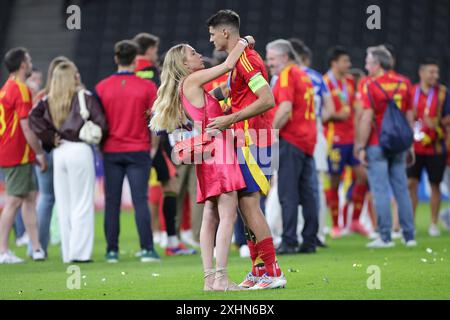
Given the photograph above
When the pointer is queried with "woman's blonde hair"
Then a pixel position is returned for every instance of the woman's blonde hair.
(63, 87)
(53, 64)
(168, 113)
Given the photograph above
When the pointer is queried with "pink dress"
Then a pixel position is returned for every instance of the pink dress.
(221, 173)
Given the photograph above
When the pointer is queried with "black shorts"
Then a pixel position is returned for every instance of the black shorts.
(159, 162)
(435, 166)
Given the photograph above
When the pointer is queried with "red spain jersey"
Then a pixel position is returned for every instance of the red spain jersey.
(208, 87)
(294, 85)
(15, 104)
(370, 92)
(216, 83)
(343, 94)
(432, 104)
(402, 77)
(362, 82)
(127, 101)
(249, 65)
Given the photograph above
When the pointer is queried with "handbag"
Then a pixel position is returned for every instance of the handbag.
(90, 132)
(193, 149)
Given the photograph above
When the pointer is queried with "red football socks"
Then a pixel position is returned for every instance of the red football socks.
(358, 196)
(332, 197)
(258, 268)
(266, 251)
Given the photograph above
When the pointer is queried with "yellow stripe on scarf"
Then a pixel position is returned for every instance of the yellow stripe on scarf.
(253, 166)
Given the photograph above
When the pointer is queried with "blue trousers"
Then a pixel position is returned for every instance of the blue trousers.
(136, 166)
(297, 184)
(386, 171)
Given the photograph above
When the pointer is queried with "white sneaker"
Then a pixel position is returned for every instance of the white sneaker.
(10, 258)
(249, 281)
(378, 244)
(373, 235)
(157, 237)
(244, 251)
(434, 231)
(38, 255)
(396, 235)
(188, 238)
(267, 282)
(164, 239)
(410, 243)
(23, 240)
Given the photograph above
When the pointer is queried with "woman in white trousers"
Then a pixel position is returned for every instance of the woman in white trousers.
(74, 180)
(57, 121)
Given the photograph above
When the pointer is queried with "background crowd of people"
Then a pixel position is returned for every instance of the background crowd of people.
(331, 156)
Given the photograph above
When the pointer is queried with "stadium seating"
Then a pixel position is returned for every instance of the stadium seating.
(417, 28)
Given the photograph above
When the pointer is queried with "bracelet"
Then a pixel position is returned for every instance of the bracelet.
(360, 149)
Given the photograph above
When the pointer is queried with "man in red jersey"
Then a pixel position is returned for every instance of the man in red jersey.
(396, 232)
(127, 101)
(431, 106)
(295, 117)
(341, 136)
(385, 170)
(19, 148)
(251, 97)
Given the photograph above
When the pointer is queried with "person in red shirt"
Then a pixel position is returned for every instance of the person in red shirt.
(127, 101)
(431, 105)
(296, 119)
(340, 133)
(385, 170)
(19, 149)
(251, 97)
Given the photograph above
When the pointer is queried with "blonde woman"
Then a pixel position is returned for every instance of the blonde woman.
(181, 96)
(46, 199)
(57, 122)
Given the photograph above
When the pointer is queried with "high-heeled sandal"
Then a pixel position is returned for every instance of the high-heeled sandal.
(231, 286)
(207, 274)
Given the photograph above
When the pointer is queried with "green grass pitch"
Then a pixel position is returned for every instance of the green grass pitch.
(339, 272)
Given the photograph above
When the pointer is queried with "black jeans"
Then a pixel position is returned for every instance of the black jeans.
(136, 166)
(297, 184)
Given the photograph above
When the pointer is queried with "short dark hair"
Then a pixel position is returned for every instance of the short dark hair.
(14, 58)
(224, 17)
(125, 51)
(334, 53)
(301, 48)
(428, 62)
(144, 41)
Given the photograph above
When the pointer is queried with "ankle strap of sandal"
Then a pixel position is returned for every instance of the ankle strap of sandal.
(209, 272)
(222, 272)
